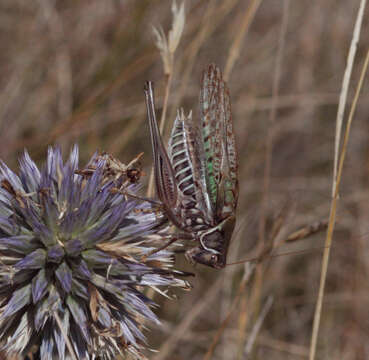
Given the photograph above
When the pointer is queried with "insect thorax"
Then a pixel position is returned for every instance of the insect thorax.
(213, 244)
(212, 249)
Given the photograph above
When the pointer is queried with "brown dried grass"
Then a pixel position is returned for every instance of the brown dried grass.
(74, 72)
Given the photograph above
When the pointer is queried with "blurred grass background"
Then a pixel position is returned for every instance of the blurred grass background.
(73, 72)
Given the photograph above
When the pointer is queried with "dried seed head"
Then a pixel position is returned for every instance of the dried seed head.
(168, 47)
(162, 45)
(179, 20)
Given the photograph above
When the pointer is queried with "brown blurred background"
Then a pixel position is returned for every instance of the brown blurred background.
(73, 72)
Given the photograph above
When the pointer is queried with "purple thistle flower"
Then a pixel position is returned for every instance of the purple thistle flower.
(75, 255)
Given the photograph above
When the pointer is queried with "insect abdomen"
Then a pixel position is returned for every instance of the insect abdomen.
(180, 159)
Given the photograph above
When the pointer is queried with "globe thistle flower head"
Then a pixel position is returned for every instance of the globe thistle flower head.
(75, 255)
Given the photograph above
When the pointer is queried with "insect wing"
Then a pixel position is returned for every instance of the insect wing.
(209, 108)
(228, 185)
(220, 157)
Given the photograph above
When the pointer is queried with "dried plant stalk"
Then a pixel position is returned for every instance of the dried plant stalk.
(332, 216)
(167, 48)
(234, 51)
(345, 86)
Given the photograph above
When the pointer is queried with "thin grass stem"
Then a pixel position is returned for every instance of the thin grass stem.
(345, 87)
(256, 329)
(249, 270)
(212, 19)
(234, 51)
(332, 215)
(204, 303)
(256, 291)
(272, 119)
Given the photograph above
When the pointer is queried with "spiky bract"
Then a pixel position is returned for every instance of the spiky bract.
(73, 264)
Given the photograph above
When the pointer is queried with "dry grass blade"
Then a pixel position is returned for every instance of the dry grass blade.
(272, 118)
(256, 292)
(345, 87)
(167, 49)
(249, 270)
(73, 72)
(212, 19)
(234, 51)
(167, 348)
(332, 216)
(83, 112)
(307, 231)
(63, 59)
(296, 351)
(254, 333)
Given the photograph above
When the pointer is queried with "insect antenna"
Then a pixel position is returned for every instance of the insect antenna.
(263, 256)
(302, 233)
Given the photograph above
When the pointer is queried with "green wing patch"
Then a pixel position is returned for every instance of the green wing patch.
(220, 157)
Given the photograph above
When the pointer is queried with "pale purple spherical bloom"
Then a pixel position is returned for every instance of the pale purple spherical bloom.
(72, 261)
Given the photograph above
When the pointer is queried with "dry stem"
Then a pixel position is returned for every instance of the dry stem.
(332, 216)
(234, 51)
(345, 86)
(255, 331)
(211, 21)
(211, 295)
(256, 294)
(249, 270)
